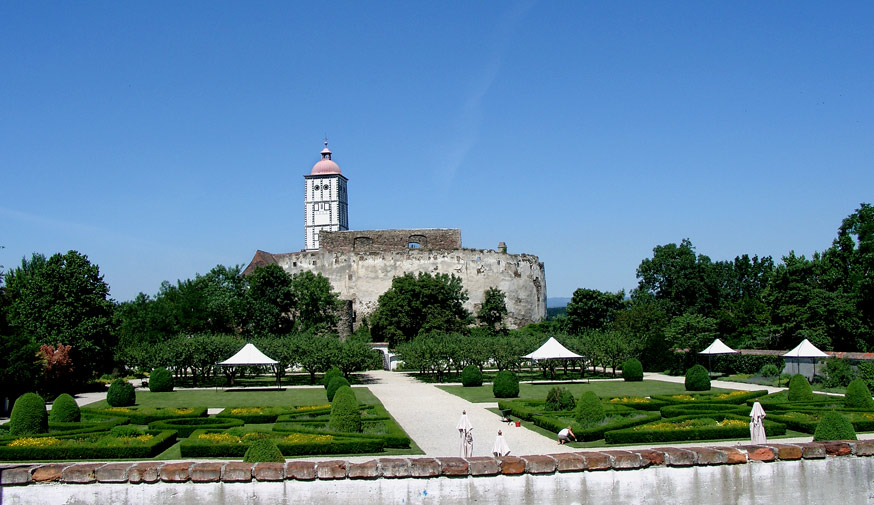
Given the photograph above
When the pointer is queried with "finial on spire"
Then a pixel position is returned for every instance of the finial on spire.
(326, 153)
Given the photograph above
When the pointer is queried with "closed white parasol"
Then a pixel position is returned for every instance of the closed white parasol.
(501, 448)
(757, 424)
(465, 432)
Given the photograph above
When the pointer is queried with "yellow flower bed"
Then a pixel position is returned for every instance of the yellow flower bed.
(313, 407)
(219, 438)
(733, 423)
(685, 398)
(141, 439)
(118, 409)
(630, 399)
(249, 410)
(689, 424)
(34, 442)
(300, 438)
(733, 394)
(182, 412)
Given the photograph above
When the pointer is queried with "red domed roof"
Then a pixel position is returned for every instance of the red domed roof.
(325, 166)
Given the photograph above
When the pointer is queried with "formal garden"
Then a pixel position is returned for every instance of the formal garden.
(255, 425)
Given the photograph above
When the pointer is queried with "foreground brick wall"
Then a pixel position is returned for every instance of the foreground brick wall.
(150, 472)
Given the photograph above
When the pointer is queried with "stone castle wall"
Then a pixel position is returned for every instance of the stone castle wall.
(389, 240)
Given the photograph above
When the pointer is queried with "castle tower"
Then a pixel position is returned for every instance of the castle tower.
(326, 204)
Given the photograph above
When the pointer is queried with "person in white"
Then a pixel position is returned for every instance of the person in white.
(501, 448)
(565, 434)
(465, 432)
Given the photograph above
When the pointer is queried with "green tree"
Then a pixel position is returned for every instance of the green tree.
(679, 279)
(315, 302)
(64, 299)
(314, 353)
(691, 331)
(611, 347)
(590, 309)
(270, 301)
(493, 310)
(420, 303)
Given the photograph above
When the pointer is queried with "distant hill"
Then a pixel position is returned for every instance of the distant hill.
(557, 302)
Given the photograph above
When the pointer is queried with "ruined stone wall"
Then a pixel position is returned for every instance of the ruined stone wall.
(389, 240)
(363, 276)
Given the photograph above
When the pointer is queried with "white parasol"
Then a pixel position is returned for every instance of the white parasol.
(501, 448)
(757, 424)
(465, 432)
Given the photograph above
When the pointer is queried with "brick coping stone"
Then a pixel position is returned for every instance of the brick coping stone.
(420, 467)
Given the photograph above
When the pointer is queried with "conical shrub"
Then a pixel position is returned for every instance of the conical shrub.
(858, 395)
(121, 393)
(263, 451)
(28, 415)
(336, 383)
(345, 412)
(590, 410)
(65, 410)
(799, 389)
(834, 426)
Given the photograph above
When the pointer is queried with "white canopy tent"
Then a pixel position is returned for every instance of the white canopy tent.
(716, 348)
(806, 353)
(551, 351)
(250, 355)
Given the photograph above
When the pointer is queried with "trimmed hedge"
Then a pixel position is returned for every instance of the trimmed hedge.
(697, 379)
(701, 408)
(28, 415)
(263, 451)
(799, 389)
(637, 402)
(858, 395)
(623, 418)
(161, 381)
(732, 398)
(121, 393)
(632, 370)
(834, 426)
(505, 385)
(807, 421)
(559, 398)
(330, 375)
(96, 447)
(255, 415)
(590, 411)
(65, 410)
(187, 426)
(335, 384)
(694, 429)
(221, 444)
(471, 376)
(781, 400)
(345, 413)
(139, 415)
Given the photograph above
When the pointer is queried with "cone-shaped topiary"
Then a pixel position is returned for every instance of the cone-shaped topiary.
(345, 412)
(330, 375)
(471, 376)
(632, 370)
(697, 379)
(263, 451)
(65, 410)
(834, 426)
(858, 395)
(560, 398)
(590, 410)
(336, 383)
(161, 381)
(799, 389)
(506, 385)
(121, 394)
(28, 415)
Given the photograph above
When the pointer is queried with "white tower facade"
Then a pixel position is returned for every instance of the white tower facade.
(326, 201)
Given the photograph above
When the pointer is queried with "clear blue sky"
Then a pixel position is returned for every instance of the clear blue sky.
(163, 138)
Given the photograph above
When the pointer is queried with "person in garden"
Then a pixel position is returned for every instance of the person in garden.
(566, 434)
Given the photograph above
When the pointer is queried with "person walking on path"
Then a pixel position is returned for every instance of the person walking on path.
(465, 431)
(564, 434)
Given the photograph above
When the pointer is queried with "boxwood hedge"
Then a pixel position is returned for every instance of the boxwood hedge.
(694, 427)
(185, 427)
(221, 444)
(256, 415)
(732, 398)
(140, 415)
(96, 447)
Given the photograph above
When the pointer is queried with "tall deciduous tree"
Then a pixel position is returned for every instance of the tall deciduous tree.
(270, 301)
(677, 278)
(590, 309)
(420, 303)
(493, 309)
(64, 299)
(315, 302)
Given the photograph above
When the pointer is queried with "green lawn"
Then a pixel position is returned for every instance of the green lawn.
(483, 394)
(211, 398)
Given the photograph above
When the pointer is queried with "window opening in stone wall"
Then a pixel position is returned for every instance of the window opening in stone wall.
(414, 245)
(420, 240)
(294, 264)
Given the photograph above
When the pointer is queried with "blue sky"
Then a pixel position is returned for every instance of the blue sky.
(164, 138)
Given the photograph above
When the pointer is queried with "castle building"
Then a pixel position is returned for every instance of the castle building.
(326, 206)
(360, 264)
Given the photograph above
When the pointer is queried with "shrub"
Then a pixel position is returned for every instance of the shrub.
(769, 370)
(697, 379)
(799, 389)
(632, 370)
(126, 430)
(506, 385)
(560, 398)
(28, 415)
(335, 384)
(838, 373)
(330, 375)
(471, 376)
(590, 410)
(834, 426)
(865, 369)
(858, 395)
(345, 413)
(263, 451)
(65, 410)
(121, 394)
(160, 381)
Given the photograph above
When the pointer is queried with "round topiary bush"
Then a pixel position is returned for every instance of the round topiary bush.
(330, 375)
(335, 384)
(65, 410)
(471, 376)
(769, 370)
(345, 412)
(263, 451)
(697, 379)
(799, 389)
(560, 398)
(121, 394)
(858, 395)
(834, 426)
(590, 410)
(28, 415)
(161, 381)
(506, 385)
(632, 370)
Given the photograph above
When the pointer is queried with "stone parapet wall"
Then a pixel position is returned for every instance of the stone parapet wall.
(389, 240)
